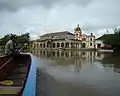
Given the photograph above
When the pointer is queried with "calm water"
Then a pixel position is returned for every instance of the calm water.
(76, 73)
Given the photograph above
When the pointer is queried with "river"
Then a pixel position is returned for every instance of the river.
(77, 73)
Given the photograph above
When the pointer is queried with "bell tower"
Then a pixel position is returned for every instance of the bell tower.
(78, 33)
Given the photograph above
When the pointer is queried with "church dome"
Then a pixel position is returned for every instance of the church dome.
(78, 28)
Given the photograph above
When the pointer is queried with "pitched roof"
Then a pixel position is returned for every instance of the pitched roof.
(57, 34)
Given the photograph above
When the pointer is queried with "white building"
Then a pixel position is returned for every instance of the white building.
(65, 40)
(57, 40)
(88, 41)
(99, 44)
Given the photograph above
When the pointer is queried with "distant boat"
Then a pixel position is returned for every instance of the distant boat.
(17, 75)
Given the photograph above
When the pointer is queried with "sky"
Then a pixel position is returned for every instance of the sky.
(44, 16)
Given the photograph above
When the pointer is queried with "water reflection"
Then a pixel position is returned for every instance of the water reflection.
(113, 61)
(67, 57)
(98, 71)
(78, 58)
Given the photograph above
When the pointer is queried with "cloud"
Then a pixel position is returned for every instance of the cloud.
(13, 5)
(44, 16)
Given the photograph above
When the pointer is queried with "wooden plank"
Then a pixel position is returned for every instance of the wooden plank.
(10, 90)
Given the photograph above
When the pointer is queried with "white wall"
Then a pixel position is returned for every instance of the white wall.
(89, 42)
(99, 42)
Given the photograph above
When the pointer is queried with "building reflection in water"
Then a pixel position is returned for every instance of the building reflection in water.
(77, 59)
(74, 58)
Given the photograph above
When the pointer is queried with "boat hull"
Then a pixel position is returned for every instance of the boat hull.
(16, 70)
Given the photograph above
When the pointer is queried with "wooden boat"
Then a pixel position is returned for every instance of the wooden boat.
(17, 75)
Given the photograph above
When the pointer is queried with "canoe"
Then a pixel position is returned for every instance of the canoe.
(15, 75)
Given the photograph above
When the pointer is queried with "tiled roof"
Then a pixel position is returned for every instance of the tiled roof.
(39, 40)
(57, 34)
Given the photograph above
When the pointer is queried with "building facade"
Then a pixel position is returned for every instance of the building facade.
(65, 40)
(88, 41)
(99, 44)
(78, 33)
(58, 40)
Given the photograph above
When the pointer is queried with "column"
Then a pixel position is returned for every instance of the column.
(79, 46)
(74, 45)
(70, 45)
(56, 45)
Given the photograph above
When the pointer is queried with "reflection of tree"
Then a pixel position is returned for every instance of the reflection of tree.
(111, 60)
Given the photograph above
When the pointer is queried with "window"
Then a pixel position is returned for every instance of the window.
(67, 45)
(41, 45)
(58, 44)
(98, 45)
(90, 44)
(84, 39)
(90, 39)
(53, 45)
(62, 44)
(44, 45)
(83, 45)
(76, 35)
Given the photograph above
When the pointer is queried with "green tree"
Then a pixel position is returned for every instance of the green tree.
(20, 39)
(112, 39)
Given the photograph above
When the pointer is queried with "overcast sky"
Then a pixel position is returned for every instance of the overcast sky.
(43, 16)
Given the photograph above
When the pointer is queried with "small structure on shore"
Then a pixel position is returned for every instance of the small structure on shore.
(101, 46)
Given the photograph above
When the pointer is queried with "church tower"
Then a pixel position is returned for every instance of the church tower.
(78, 33)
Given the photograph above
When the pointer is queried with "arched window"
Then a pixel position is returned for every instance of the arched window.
(53, 45)
(62, 44)
(83, 45)
(58, 44)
